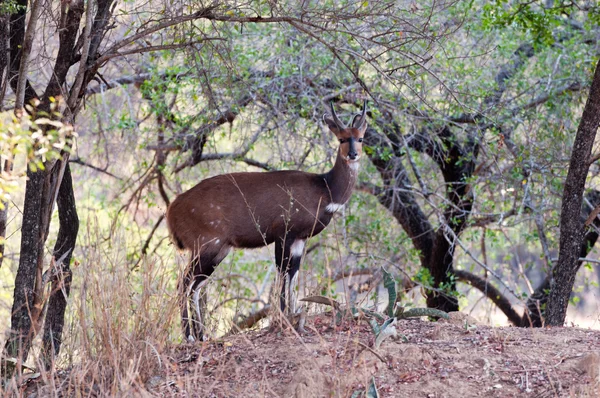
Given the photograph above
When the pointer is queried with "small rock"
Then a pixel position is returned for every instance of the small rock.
(154, 382)
(461, 319)
(439, 333)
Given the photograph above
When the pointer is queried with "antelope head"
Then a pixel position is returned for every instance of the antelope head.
(350, 138)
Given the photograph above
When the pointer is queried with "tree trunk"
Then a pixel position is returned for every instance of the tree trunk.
(534, 315)
(441, 268)
(571, 228)
(21, 331)
(40, 193)
(61, 278)
(4, 55)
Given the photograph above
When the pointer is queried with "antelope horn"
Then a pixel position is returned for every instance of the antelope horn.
(336, 120)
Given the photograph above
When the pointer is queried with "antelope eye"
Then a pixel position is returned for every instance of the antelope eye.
(342, 140)
(360, 140)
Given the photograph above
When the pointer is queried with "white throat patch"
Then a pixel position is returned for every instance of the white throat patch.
(333, 207)
(354, 165)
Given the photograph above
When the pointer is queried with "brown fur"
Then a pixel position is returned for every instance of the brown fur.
(248, 210)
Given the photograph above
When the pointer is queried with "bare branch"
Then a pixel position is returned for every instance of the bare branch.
(485, 287)
(77, 85)
(147, 242)
(250, 320)
(592, 216)
(107, 85)
(482, 265)
(81, 162)
(147, 49)
(25, 53)
(109, 53)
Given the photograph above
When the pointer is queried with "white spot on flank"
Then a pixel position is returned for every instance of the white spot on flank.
(212, 222)
(297, 248)
(211, 205)
(333, 207)
(193, 210)
(217, 242)
(218, 207)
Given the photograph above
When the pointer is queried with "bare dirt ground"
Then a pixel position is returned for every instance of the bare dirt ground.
(454, 358)
(428, 359)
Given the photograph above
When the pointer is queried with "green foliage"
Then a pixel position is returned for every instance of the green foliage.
(34, 141)
(390, 284)
(371, 390)
(538, 18)
(423, 277)
(288, 73)
(9, 7)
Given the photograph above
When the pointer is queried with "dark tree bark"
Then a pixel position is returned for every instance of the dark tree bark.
(3, 83)
(12, 33)
(571, 228)
(534, 315)
(4, 61)
(456, 161)
(17, 36)
(536, 304)
(61, 274)
(4, 56)
(22, 329)
(40, 192)
(76, 46)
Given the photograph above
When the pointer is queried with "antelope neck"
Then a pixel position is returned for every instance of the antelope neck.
(340, 180)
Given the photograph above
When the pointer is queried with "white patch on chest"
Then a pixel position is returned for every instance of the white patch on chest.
(333, 207)
(354, 165)
(297, 248)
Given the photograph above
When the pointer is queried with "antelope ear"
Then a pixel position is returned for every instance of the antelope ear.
(359, 121)
(331, 124)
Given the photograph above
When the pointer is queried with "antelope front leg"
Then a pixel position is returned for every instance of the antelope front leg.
(288, 255)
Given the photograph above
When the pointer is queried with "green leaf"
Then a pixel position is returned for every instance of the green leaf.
(388, 329)
(390, 284)
(374, 326)
(372, 390)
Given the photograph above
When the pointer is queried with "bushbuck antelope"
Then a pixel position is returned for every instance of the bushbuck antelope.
(248, 210)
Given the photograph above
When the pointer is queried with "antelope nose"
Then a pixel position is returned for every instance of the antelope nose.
(352, 155)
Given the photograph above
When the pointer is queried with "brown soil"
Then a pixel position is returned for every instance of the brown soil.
(428, 359)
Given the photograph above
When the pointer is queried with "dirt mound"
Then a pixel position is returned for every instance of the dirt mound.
(454, 358)
(427, 359)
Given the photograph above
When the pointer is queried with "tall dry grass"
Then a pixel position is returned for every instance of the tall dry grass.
(119, 322)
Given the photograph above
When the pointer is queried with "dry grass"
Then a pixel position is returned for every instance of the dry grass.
(122, 338)
(429, 359)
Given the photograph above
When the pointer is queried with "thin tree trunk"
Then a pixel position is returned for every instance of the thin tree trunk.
(25, 53)
(4, 56)
(571, 227)
(441, 268)
(534, 315)
(41, 191)
(6, 167)
(4, 64)
(21, 331)
(61, 278)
